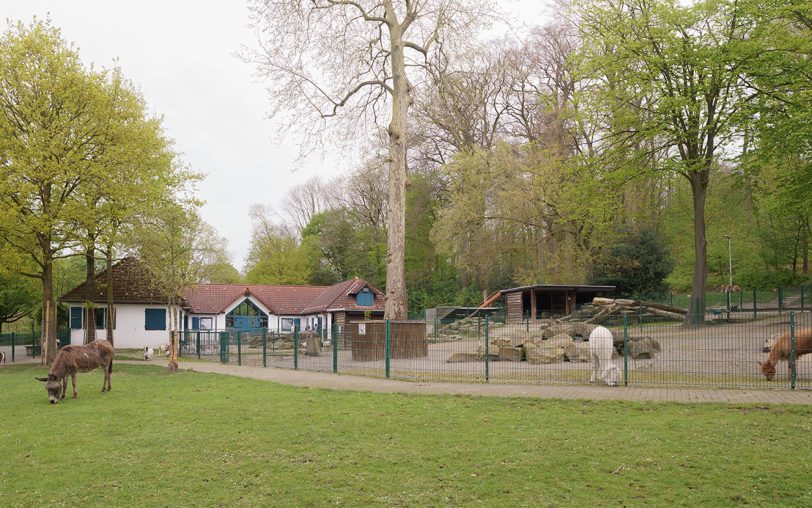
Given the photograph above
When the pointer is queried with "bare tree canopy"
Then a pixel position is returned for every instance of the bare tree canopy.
(362, 58)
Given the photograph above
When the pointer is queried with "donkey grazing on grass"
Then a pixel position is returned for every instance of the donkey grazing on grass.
(781, 351)
(74, 359)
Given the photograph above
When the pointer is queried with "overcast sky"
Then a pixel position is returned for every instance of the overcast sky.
(181, 54)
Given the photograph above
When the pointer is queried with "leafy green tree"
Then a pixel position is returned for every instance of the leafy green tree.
(178, 248)
(49, 121)
(673, 73)
(638, 265)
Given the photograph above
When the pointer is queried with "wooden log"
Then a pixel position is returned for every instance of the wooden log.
(604, 302)
(665, 313)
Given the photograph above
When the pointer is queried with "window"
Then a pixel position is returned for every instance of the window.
(246, 316)
(206, 323)
(101, 314)
(75, 318)
(286, 324)
(154, 319)
(365, 298)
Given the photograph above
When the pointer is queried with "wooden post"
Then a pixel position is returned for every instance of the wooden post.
(533, 304)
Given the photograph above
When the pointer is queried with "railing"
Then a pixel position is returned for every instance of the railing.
(724, 352)
(29, 341)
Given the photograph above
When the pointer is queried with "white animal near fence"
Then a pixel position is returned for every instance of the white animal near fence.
(601, 349)
(148, 353)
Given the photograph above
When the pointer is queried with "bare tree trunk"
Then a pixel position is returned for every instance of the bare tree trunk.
(396, 306)
(111, 312)
(696, 308)
(173, 338)
(48, 339)
(90, 294)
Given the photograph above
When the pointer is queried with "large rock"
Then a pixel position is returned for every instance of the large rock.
(511, 354)
(643, 348)
(577, 351)
(573, 329)
(547, 351)
(312, 342)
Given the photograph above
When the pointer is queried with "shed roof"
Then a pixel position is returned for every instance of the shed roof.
(560, 287)
(132, 283)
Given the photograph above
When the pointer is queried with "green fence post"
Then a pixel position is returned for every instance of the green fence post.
(13, 347)
(755, 305)
(792, 348)
(264, 347)
(741, 301)
(295, 346)
(334, 342)
(197, 343)
(34, 344)
(224, 340)
(802, 298)
(239, 348)
(387, 346)
(625, 350)
(487, 365)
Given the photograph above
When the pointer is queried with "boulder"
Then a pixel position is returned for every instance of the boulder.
(547, 351)
(312, 343)
(577, 351)
(643, 348)
(511, 354)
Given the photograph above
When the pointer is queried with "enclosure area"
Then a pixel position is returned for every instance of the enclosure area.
(724, 352)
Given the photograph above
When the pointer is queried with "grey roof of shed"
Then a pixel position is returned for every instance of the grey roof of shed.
(560, 287)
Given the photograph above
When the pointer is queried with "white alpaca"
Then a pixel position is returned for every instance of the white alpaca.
(601, 347)
(147, 353)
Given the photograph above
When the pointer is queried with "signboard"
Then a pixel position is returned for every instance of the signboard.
(362, 329)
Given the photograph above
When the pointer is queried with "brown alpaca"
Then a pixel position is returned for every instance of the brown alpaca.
(781, 351)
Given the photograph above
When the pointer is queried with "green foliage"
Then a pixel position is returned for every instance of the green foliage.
(18, 297)
(638, 265)
(223, 273)
(277, 260)
(338, 247)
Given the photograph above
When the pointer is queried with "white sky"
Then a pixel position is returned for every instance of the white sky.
(181, 53)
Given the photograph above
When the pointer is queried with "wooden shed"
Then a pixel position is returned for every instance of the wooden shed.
(548, 300)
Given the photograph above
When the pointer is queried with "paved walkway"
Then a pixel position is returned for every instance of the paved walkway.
(358, 383)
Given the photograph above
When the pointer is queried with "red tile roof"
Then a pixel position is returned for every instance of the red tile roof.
(280, 300)
(342, 296)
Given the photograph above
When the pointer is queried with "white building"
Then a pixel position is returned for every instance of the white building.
(141, 315)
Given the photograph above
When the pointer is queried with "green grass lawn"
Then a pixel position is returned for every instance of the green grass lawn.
(194, 439)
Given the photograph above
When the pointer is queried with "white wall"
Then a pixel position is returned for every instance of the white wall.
(129, 332)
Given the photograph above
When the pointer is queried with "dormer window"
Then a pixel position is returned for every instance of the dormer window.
(365, 298)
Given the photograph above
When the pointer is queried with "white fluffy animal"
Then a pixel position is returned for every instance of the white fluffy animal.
(2, 358)
(601, 348)
(147, 353)
(164, 349)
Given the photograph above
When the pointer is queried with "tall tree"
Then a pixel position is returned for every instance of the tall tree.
(323, 56)
(672, 73)
(49, 124)
(178, 248)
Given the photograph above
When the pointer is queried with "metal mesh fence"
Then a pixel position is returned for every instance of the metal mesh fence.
(726, 351)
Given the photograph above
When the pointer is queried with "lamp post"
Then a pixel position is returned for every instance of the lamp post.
(730, 270)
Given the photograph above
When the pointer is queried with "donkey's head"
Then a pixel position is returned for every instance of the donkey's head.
(768, 369)
(53, 387)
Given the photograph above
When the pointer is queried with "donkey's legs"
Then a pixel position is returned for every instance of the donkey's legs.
(64, 387)
(73, 381)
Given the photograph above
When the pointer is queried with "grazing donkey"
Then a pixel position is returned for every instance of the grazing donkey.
(781, 351)
(601, 348)
(74, 359)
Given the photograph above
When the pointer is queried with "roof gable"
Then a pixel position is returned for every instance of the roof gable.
(132, 283)
(342, 296)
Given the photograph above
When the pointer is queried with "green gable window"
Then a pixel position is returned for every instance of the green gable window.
(154, 319)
